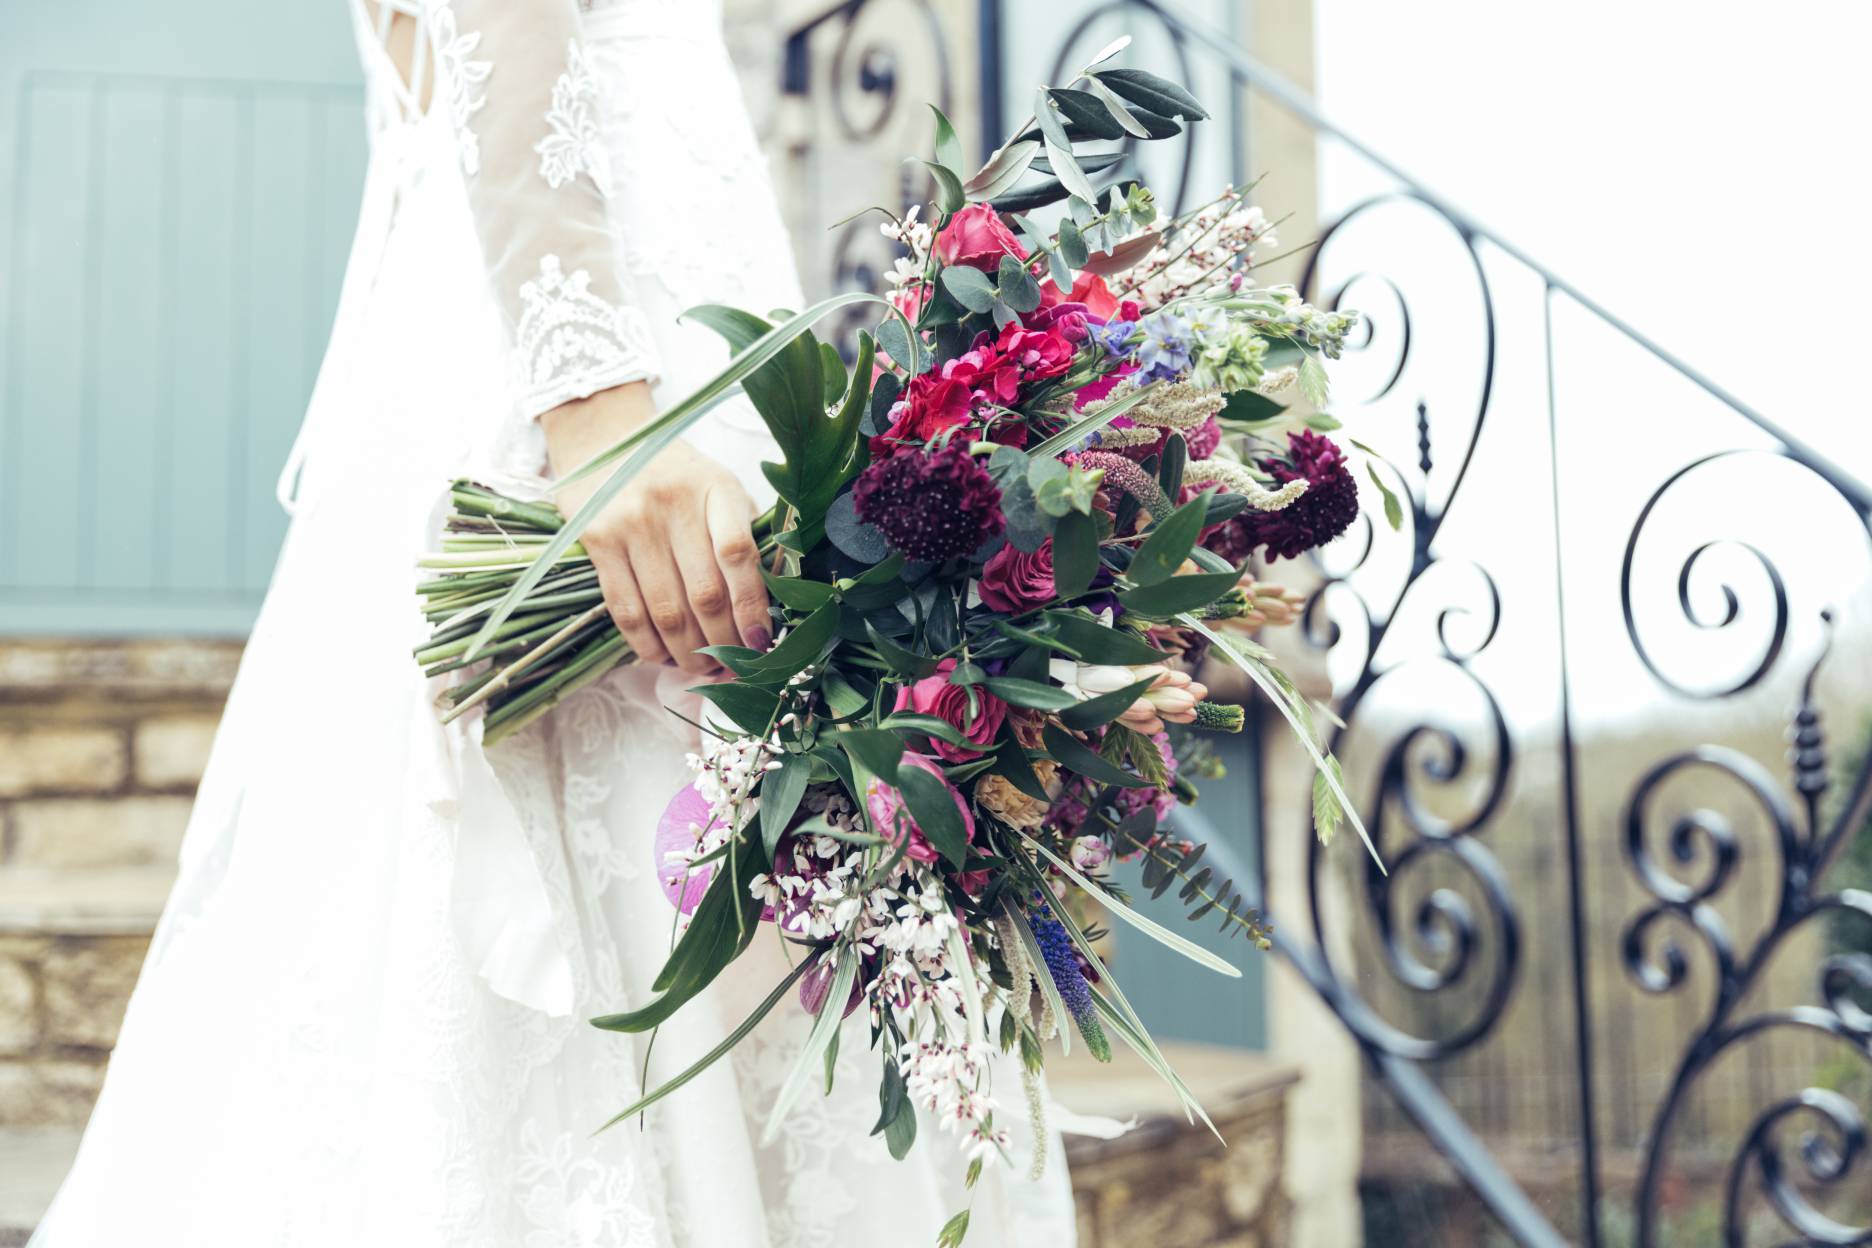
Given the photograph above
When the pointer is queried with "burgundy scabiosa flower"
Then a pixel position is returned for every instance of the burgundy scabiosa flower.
(931, 505)
(1322, 513)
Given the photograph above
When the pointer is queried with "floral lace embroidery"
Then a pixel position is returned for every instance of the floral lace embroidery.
(571, 343)
(576, 144)
(463, 78)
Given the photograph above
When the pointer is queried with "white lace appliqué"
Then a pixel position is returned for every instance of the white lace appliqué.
(571, 343)
(462, 77)
(576, 145)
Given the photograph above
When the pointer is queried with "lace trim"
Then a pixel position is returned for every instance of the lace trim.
(463, 77)
(571, 343)
(576, 144)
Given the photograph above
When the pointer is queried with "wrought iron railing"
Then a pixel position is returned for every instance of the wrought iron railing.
(1551, 872)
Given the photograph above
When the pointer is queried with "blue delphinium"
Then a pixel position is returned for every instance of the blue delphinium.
(1165, 352)
(1115, 337)
(1075, 994)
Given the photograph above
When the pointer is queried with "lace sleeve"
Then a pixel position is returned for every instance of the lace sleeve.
(526, 108)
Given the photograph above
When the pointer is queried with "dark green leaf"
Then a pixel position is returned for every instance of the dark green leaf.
(884, 392)
(1249, 407)
(933, 805)
(1169, 543)
(1180, 593)
(780, 794)
(797, 593)
(927, 725)
(1094, 642)
(1071, 754)
(874, 749)
(1085, 111)
(1099, 711)
(1030, 693)
(608, 1023)
(805, 643)
(1075, 554)
(748, 706)
(1157, 95)
(901, 661)
(722, 926)
(1011, 764)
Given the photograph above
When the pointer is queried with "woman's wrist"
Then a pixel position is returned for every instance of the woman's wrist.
(583, 428)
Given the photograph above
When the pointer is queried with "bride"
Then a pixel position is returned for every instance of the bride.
(362, 1019)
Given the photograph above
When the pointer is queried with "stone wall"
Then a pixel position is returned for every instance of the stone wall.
(101, 747)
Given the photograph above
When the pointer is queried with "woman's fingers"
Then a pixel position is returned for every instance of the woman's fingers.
(666, 598)
(626, 604)
(735, 554)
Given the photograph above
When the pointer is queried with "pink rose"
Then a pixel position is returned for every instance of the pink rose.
(934, 695)
(890, 818)
(1014, 580)
(977, 238)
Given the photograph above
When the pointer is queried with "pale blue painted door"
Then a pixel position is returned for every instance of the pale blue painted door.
(182, 180)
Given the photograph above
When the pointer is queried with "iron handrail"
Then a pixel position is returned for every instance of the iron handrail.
(1298, 102)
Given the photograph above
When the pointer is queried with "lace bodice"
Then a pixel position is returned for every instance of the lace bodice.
(515, 84)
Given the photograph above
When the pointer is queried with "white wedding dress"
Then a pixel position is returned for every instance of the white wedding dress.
(362, 1021)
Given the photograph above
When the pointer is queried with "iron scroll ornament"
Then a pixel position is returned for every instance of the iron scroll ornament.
(1429, 943)
(1834, 1146)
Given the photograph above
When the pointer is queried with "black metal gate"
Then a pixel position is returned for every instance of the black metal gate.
(1618, 975)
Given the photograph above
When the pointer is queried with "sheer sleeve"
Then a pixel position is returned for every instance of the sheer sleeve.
(527, 112)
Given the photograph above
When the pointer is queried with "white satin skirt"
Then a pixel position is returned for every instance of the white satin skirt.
(363, 1018)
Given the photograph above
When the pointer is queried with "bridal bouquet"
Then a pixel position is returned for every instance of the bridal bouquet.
(1004, 537)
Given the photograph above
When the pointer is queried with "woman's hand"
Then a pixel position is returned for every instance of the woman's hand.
(675, 558)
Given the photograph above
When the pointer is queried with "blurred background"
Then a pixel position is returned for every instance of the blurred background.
(1605, 693)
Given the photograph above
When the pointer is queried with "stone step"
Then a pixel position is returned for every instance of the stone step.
(33, 1162)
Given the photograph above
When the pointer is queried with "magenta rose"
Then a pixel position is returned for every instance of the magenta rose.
(891, 819)
(977, 238)
(934, 695)
(1014, 580)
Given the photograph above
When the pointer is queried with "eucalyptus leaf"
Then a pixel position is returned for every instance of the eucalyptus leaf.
(1094, 642)
(1180, 593)
(1087, 111)
(1030, 694)
(1099, 711)
(1072, 243)
(1017, 286)
(1393, 509)
(970, 286)
(863, 542)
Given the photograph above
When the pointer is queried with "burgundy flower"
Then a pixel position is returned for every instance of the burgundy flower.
(935, 695)
(1203, 440)
(1016, 580)
(1322, 513)
(931, 505)
(977, 237)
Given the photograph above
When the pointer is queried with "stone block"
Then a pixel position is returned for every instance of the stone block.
(172, 750)
(87, 983)
(19, 1005)
(48, 1092)
(60, 758)
(98, 832)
